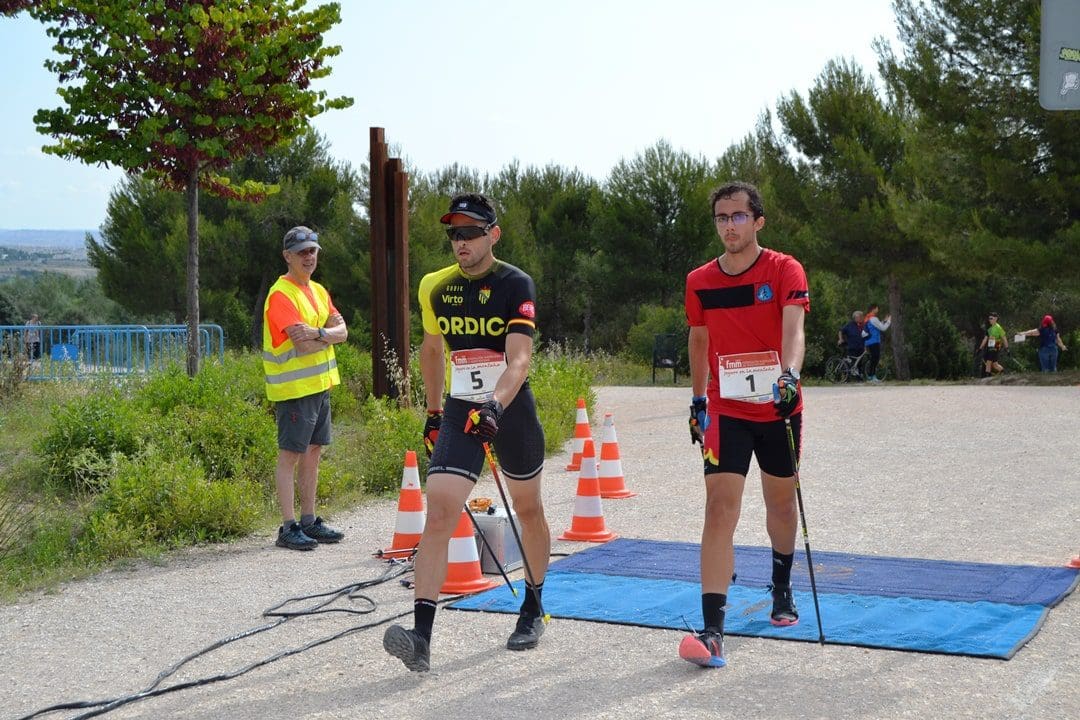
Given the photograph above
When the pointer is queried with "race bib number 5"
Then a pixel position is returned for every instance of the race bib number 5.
(473, 373)
(748, 377)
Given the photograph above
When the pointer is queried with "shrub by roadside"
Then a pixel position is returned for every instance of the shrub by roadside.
(132, 469)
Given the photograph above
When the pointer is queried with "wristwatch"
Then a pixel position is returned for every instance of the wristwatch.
(322, 336)
(794, 373)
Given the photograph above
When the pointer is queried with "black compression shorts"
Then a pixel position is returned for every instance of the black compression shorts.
(519, 443)
(730, 441)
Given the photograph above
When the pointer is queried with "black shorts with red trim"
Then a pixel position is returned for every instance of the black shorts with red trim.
(729, 443)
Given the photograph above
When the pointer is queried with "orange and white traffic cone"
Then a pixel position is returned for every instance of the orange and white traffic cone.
(588, 521)
(581, 434)
(612, 482)
(463, 574)
(409, 525)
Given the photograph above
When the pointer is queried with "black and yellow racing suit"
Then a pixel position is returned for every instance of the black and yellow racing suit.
(478, 313)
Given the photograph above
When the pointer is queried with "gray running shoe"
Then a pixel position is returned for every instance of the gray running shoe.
(527, 633)
(294, 538)
(322, 532)
(408, 647)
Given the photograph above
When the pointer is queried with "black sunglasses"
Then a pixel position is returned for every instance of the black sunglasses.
(466, 232)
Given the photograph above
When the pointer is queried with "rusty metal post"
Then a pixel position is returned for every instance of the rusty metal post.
(389, 216)
(399, 270)
(380, 330)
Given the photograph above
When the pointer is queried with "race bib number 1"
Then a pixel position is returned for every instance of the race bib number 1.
(473, 373)
(748, 377)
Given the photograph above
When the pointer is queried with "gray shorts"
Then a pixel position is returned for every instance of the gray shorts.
(303, 421)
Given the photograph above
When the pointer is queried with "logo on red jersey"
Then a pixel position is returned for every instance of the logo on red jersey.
(764, 293)
(527, 309)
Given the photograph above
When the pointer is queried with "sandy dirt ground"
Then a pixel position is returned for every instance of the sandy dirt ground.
(971, 473)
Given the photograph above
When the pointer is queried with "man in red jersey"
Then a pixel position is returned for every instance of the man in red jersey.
(746, 311)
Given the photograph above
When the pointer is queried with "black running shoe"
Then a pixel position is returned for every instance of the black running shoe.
(321, 532)
(706, 649)
(527, 633)
(784, 611)
(294, 538)
(408, 647)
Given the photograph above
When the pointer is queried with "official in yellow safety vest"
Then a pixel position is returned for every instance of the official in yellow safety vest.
(300, 328)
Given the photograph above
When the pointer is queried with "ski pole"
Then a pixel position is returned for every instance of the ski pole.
(474, 416)
(802, 516)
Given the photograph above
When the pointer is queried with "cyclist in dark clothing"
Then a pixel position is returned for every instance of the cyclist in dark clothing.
(850, 337)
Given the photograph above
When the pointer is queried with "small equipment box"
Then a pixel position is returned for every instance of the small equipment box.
(495, 526)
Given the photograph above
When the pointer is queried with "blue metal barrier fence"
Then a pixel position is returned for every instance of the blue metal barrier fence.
(56, 352)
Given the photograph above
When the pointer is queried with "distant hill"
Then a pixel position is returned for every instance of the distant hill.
(46, 238)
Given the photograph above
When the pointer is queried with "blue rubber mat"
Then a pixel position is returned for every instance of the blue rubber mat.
(974, 609)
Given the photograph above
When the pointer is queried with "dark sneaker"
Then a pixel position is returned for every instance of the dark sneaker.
(706, 649)
(321, 532)
(294, 538)
(783, 607)
(527, 633)
(408, 647)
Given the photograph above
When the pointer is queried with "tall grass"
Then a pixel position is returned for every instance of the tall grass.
(97, 472)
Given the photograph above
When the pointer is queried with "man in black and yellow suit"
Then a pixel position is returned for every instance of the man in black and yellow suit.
(300, 328)
(479, 319)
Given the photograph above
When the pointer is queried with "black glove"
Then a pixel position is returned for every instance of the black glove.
(484, 422)
(699, 420)
(786, 394)
(431, 430)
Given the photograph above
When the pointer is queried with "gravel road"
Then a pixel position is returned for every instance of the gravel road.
(973, 473)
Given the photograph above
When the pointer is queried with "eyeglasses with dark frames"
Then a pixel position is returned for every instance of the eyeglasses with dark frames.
(739, 218)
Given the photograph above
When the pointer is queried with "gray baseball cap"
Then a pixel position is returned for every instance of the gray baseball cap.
(301, 238)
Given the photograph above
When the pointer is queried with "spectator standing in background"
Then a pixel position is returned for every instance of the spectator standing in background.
(872, 329)
(1049, 343)
(32, 337)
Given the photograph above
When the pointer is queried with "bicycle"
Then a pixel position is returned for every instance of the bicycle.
(844, 368)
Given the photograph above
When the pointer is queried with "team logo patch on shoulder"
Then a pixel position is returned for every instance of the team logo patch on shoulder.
(527, 309)
(764, 293)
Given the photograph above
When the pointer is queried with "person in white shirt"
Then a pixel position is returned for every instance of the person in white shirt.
(872, 329)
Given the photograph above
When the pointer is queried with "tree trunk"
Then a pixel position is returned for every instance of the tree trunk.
(257, 312)
(896, 309)
(193, 273)
(587, 325)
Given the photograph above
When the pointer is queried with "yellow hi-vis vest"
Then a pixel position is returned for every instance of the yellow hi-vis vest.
(289, 375)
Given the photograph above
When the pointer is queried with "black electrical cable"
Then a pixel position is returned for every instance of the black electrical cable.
(100, 707)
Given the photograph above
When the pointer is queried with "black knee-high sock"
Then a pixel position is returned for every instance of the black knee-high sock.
(424, 617)
(712, 610)
(530, 606)
(781, 569)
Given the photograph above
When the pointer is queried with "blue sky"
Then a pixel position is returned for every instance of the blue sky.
(580, 83)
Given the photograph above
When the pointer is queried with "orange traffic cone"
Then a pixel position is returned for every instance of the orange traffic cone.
(612, 483)
(581, 434)
(463, 574)
(409, 524)
(588, 521)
